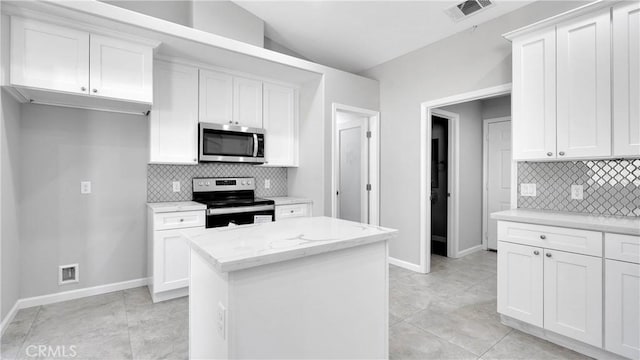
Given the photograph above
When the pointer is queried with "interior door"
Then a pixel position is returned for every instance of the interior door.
(353, 199)
(498, 175)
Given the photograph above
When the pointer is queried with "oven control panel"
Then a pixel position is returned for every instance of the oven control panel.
(223, 184)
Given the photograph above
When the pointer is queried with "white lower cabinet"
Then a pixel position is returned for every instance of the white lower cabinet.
(292, 211)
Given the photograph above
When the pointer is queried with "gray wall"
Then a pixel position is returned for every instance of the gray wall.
(496, 107)
(461, 63)
(104, 231)
(470, 196)
(9, 162)
(177, 11)
(276, 46)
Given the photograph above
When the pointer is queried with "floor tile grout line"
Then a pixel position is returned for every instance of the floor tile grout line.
(497, 342)
(26, 336)
(126, 317)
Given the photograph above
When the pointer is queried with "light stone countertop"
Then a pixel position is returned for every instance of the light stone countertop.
(611, 224)
(289, 200)
(235, 248)
(164, 207)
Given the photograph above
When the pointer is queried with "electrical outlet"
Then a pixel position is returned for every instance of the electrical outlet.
(221, 320)
(85, 187)
(577, 192)
(267, 183)
(527, 189)
(176, 186)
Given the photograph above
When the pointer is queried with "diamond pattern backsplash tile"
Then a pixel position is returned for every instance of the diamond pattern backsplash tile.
(611, 187)
(161, 177)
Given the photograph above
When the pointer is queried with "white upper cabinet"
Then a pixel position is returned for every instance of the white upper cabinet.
(49, 57)
(173, 125)
(534, 96)
(121, 69)
(584, 86)
(280, 121)
(216, 97)
(247, 102)
(626, 79)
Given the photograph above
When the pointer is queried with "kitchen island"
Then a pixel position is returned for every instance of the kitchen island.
(301, 288)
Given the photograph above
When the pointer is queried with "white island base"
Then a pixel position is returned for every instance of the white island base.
(328, 303)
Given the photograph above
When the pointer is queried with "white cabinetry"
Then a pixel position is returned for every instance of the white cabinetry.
(626, 79)
(216, 97)
(293, 211)
(247, 102)
(584, 86)
(281, 123)
(168, 252)
(173, 127)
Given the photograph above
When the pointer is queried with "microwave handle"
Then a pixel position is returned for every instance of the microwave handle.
(255, 145)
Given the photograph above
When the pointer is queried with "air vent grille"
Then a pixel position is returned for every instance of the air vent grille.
(467, 8)
(68, 274)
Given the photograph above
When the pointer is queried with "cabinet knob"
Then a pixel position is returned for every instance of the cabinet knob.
(181, 220)
(195, 160)
(548, 255)
(230, 122)
(543, 237)
(95, 90)
(549, 153)
(83, 88)
(536, 252)
(561, 153)
(291, 211)
(236, 123)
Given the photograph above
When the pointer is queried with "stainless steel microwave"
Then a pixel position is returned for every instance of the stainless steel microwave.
(230, 143)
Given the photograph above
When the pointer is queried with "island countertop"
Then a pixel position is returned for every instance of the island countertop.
(236, 248)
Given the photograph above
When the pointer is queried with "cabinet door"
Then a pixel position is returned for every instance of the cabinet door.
(622, 308)
(534, 96)
(121, 69)
(49, 57)
(247, 102)
(173, 129)
(216, 97)
(584, 87)
(520, 282)
(626, 79)
(573, 296)
(171, 260)
(281, 124)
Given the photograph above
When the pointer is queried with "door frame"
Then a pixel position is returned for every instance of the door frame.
(374, 158)
(485, 183)
(427, 108)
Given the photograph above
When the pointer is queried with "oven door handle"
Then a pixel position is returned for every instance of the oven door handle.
(241, 209)
(255, 145)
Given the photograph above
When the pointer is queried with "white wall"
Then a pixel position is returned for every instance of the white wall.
(177, 11)
(470, 175)
(496, 107)
(461, 63)
(104, 232)
(9, 181)
(276, 46)
(225, 18)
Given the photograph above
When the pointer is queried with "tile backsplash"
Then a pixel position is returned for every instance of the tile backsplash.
(611, 187)
(161, 177)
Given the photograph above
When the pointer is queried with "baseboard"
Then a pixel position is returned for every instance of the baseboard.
(80, 293)
(468, 251)
(169, 294)
(9, 318)
(404, 264)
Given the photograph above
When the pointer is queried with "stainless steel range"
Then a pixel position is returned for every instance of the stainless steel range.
(232, 201)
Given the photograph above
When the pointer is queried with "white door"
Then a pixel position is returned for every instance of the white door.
(622, 308)
(352, 171)
(626, 79)
(584, 88)
(49, 57)
(247, 102)
(121, 69)
(216, 97)
(573, 296)
(174, 116)
(520, 284)
(498, 175)
(171, 263)
(281, 124)
(534, 96)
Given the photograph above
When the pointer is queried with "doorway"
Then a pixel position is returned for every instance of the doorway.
(355, 162)
(439, 184)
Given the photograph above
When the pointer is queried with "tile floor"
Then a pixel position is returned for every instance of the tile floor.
(448, 314)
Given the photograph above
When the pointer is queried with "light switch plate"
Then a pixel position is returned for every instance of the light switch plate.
(577, 192)
(222, 320)
(85, 187)
(176, 186)
(527, 189)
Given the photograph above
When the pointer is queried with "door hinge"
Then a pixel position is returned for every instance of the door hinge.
(368, 187)
(369, 134)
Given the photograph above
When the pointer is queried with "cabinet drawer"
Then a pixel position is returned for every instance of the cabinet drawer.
(291, 211)
(551, 237)
(622, 247)
(178, 220)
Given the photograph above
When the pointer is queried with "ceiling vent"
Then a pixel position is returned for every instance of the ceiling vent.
(467, 8)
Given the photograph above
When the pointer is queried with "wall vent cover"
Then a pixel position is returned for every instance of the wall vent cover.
(467, 8)
(68, 274)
